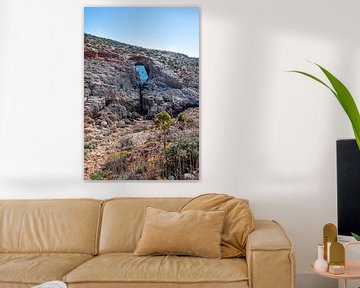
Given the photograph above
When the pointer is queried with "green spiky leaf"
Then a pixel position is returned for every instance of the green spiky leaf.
(356, 236)
(344, 97)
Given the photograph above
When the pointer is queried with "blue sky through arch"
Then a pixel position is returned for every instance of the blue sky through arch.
(143, 75)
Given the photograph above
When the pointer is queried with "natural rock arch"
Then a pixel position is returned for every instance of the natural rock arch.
(143, 76)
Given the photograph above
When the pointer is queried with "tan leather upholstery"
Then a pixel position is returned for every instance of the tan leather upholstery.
(36, 268)
(15, 285)
(193, 233)
(242, 284)
(239, 220)
(269, 256)
(73, 225)
(126, 268)
(68, 226)
(123, 218)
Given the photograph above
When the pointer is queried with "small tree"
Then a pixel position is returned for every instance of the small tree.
(163, 122)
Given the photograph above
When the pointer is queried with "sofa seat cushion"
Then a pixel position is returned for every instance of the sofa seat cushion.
(36, 268)
(125, 267)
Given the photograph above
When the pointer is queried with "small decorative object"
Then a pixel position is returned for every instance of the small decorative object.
(341, 268)
(327, 249)
(337, 258)
(336, 269)
(330, 236)
(320, 264)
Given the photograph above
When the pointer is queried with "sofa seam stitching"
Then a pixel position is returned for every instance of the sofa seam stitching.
(98, 228)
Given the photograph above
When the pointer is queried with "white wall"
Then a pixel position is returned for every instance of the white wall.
(266, 135)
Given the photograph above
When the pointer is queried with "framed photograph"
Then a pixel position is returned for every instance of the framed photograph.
(141, 93)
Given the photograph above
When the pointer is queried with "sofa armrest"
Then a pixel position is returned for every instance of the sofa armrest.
(269, 256)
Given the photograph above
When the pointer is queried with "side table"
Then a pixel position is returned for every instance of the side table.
(352, 268)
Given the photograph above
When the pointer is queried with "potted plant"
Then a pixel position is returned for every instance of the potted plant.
(343, 95)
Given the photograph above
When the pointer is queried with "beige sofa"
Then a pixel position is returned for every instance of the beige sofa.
(89, 243)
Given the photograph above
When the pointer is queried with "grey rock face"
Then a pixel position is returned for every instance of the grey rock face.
(112, 90)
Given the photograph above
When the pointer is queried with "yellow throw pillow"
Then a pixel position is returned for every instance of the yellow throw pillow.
(239, 220)
(193, 232)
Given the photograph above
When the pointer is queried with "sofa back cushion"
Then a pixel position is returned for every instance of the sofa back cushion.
(123, 220)
(238, 224)
(66, 226)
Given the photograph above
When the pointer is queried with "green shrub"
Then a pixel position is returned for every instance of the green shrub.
(163, 122)
(90, 145)
(183, 117)
(98, 175)
(181, 157)
(117, 163)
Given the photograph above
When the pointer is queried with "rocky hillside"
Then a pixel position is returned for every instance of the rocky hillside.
(122, 141)
(111, 82)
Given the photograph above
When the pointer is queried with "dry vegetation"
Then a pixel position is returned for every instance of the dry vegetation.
(143, 150)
